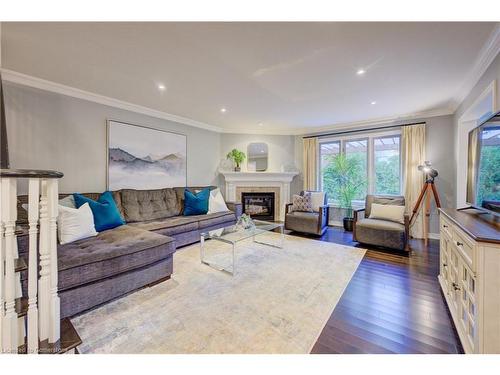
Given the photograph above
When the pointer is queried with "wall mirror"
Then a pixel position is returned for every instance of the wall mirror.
(257, 157)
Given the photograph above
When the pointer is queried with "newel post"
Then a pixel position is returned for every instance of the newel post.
(55, 313)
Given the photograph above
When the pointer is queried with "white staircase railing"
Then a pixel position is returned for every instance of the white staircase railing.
(42, 325)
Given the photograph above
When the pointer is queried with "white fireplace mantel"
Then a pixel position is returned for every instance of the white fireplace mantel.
(279, 180)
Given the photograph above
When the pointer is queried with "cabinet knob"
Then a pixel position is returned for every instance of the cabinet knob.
(445, 265)
(460, 244)
(455, 286)
(445, 226)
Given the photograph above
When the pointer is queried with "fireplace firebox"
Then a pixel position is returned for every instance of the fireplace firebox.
(258, 206)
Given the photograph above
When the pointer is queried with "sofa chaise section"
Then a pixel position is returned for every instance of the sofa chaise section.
(98, 269)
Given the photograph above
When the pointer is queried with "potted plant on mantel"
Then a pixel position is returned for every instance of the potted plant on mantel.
(345, 178)
(237, 157)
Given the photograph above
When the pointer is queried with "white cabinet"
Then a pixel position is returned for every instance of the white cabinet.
(470, 280)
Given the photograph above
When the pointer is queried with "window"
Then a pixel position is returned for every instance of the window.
(358, 150)
(387, 165)
(378, 163)
(489, 173)
(327, 152)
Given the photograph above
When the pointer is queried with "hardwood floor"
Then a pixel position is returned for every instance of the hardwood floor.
(393, 304)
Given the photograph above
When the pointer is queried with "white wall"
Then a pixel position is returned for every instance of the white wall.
(52, 131)
(282, 150)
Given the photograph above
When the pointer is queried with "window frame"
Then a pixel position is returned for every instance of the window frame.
(370, 158)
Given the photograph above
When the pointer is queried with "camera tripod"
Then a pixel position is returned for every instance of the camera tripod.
(426, 191)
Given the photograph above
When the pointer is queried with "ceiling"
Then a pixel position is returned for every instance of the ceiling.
(270, 77)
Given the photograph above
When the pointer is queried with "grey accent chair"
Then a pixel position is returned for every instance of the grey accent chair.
(307, 222)
(381, 232)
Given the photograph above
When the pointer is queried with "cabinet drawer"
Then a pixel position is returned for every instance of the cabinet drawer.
(445, 226)
(465, 247)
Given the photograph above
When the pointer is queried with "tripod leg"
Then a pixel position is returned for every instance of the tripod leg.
(427, 214)
(436, 196)
(419, 200)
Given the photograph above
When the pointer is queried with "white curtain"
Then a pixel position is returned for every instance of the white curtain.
(413, 142)
(310, 163)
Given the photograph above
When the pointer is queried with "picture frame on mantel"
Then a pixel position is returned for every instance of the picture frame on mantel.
(141, 157)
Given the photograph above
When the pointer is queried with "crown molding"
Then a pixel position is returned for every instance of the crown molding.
(488, 53)
(42, 84)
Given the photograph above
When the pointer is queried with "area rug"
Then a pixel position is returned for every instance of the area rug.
(277, 302)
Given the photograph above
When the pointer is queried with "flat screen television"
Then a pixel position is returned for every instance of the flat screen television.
(483, 166)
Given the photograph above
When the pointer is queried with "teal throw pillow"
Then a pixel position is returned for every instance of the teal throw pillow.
(196, 203)
(105, 211)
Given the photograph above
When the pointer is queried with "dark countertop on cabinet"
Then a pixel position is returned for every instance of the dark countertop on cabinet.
(480, 225)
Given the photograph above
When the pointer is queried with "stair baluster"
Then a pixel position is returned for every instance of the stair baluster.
(43, 306)
(33, 207)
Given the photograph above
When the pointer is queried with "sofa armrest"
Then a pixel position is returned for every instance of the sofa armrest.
(237, 208)
(324, 217)
(356, 217)
(357, 212)
(287, 208)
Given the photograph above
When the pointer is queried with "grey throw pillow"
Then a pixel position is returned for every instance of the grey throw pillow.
(302, 203)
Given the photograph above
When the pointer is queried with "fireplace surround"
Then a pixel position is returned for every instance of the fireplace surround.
(258, 205)
(277, 182)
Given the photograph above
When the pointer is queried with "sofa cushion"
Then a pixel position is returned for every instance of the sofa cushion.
(180, 224)
(381, 233)
(111, 252)
(169, 225)
(380, 224)
(141, 205)
(215, 219)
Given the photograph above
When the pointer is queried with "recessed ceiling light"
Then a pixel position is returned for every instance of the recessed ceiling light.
(223, 110)
(360, 72)
(373, 103)
(260, 124)
(161, 87)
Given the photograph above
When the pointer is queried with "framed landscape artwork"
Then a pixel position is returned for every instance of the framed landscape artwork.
(144, 158)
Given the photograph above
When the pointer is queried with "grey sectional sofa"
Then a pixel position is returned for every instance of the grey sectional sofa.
(96, 270)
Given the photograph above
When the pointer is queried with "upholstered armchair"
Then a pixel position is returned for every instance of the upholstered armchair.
(307, 222)
(380, 232)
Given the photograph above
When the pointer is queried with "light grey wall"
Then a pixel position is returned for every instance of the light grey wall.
(491, 73)
(52, 131)
(440, 146)
(282, 150)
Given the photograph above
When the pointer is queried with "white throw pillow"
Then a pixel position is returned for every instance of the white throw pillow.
(75, 223)
(216, 202)
(388, 212)
(68, 201)
(317, 200)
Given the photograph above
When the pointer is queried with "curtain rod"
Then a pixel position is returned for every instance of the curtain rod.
(361, 130)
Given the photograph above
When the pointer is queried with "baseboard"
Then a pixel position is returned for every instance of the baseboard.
(434, 236)
(333, 223)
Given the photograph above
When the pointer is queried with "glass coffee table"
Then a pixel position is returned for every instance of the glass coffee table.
(234, 234)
